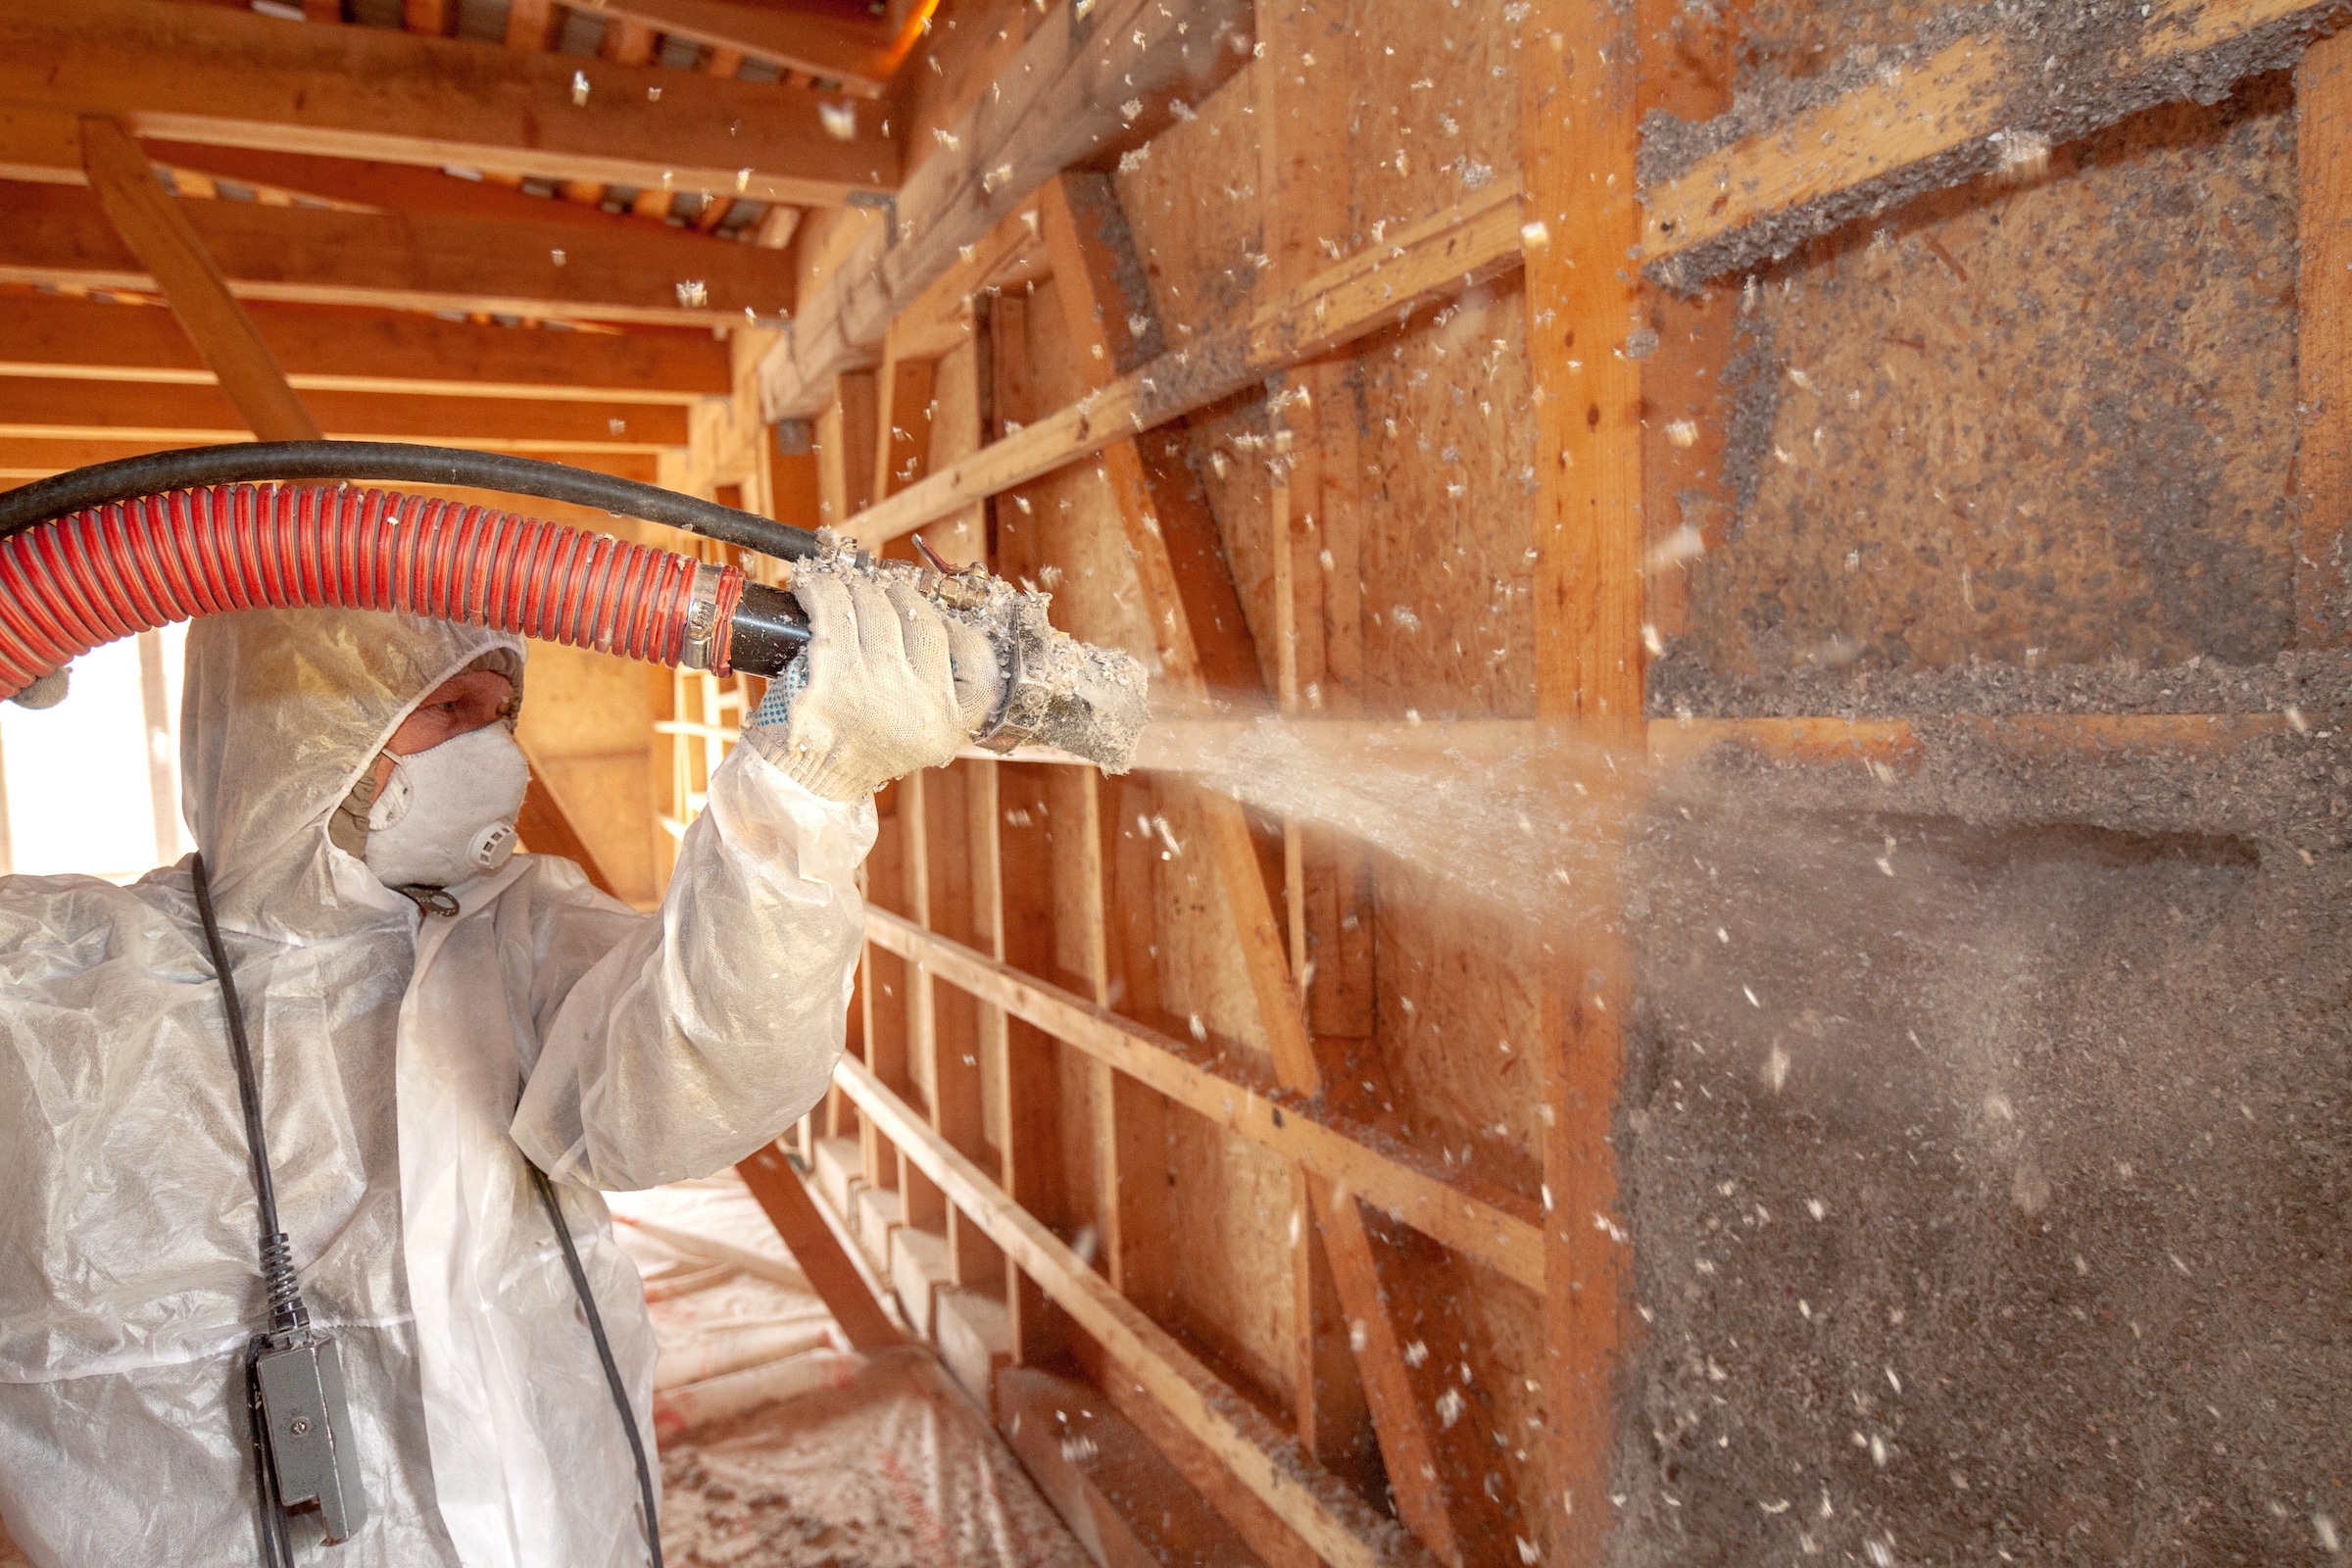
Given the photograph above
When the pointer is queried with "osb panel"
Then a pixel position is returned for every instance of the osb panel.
(1202, 976)
(2048, 424)
(1458, 1028)
(1448, 451)
(1231, 1207)
(1436, 95)
(1192, 205)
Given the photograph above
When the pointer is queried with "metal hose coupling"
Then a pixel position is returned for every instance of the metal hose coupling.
(1077, 698)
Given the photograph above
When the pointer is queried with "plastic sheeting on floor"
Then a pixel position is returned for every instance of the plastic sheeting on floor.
(781, 1448)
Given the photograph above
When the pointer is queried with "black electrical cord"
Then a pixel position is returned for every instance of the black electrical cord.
(258, 461)
(286, 1310)
(604, 1353)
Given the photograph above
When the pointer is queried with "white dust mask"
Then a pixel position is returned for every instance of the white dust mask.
(447, 815)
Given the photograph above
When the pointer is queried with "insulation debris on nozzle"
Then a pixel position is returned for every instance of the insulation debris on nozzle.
(1059, 692)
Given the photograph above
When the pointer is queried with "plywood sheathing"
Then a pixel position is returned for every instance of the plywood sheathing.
(2043, 425)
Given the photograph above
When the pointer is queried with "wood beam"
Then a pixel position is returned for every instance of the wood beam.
(328, 349)
(1057, 103)
(2323, 342)
(60, 236)
(1946, 118)
(1578, 132)
(23, 458)
(1497, 1229)
(1337, 1526)
(858, 56)
(153, 225)
(204, 74)
(82, 409)
(793, 1209)
(1429, 261)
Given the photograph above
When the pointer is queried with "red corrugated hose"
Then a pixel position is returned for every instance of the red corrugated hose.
(90, 578)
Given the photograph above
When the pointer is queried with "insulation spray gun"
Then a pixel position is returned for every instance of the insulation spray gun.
(1077, 698)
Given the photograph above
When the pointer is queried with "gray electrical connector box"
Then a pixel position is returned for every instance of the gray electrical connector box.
(311, 1448)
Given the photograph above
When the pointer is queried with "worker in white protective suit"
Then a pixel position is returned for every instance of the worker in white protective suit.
(416, 1049)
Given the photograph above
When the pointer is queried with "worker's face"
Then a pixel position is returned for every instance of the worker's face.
(456, 706)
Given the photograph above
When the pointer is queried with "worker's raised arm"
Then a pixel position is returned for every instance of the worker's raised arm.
(703, 1031)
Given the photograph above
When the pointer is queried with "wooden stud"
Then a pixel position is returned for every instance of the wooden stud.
(2324, 341)
(844, 449)
(903, 426)
(1579, 131)
(435, 18)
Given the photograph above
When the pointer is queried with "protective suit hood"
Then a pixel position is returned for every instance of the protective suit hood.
(282, 712)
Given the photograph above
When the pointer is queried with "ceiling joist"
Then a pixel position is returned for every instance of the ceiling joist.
(328, 350)
(201, 415)
(200, 74)
(26, 458)
(60, 236)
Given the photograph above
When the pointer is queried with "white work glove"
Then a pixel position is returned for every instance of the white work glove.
(888, 684)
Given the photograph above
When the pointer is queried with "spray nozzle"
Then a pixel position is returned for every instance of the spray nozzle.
(1075, 696)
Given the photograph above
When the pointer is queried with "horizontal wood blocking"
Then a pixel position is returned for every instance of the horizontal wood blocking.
(1431, 260)
(69, 410)
(60, 236)
(331, 348)
(1498, 1230)
(207, 74)
(1975, 106)
(1059, 102)
(1339, 1528)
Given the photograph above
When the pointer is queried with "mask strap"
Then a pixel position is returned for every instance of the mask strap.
(430, 901)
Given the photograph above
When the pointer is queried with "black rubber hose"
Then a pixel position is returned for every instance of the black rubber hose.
(258, 461)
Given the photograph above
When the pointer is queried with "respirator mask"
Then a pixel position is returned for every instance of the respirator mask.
(447, 815)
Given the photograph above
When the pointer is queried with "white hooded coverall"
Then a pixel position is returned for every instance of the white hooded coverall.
(408, 1066)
